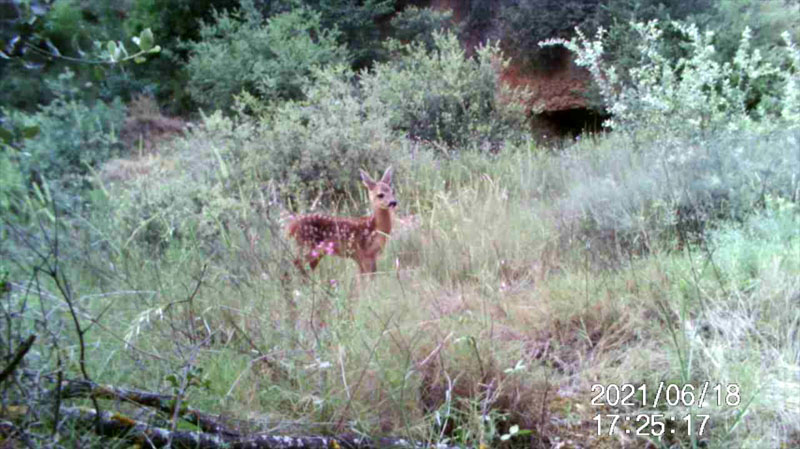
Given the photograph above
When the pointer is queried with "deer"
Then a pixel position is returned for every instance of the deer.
(361, 239)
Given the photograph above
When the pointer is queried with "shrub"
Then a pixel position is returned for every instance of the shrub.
(446, 97)
(320, 143)
(349, 121)
(415, 24)
(241, 51)
(768, 20)
(680, 94)
(629, 193)
(73, 136)
(523, 23)
(357, 22)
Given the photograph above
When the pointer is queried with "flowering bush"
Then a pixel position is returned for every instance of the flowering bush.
(695, 89)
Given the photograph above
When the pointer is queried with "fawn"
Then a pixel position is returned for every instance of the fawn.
(361, 239)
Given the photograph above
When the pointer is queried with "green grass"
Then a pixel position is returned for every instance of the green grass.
(503, 305)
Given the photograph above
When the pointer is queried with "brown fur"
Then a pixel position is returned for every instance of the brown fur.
(361, 239)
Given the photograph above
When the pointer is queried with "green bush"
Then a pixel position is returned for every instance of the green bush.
(623, 41)
(73, 136)
(357, 21)
(442, 100)
(418, 24)
(443, 96)
(631, 192)
(192, 191)
(768, 20)
(679, 94)
(523, 23)
(174, 24)
(319, 144)
(273, 59)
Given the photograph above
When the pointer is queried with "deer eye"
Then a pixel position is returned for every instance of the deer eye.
(380, 195)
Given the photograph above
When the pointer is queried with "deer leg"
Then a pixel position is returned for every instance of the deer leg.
(367, 265)
(363, 265)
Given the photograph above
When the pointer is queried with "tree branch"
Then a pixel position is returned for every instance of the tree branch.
(21, 351)
(137, 432)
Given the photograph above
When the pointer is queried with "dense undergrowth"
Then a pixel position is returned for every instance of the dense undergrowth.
(516, 277)
(501, 302)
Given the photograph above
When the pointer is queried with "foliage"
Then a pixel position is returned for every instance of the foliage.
(73, 137)
(698, 90)
(174, 20)
(348, 121)
(766, 19)
(418, 25)
(622, 41)
(357, 21)
(673, 187)
(175, 23)
(665, 251)
(86, 36)
(523, 23)
(273, 58)
(446, 97)
(319, 144)
(11, 182)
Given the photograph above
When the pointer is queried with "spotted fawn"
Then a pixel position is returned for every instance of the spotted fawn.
(361, 239)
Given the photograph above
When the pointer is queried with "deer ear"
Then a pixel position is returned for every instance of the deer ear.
(387, 176)
(368, 182)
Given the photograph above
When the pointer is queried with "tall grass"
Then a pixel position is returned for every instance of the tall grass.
(513, 284)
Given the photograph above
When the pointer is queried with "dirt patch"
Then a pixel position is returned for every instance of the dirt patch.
(146, 127)
(554, 90)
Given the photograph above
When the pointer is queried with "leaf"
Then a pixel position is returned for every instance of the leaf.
(505, 437)
(112, 49)
(135, 40)
(123, 49)
(172, 379)
(146, 40)
(155, 49)
(30, 132)
(514, 429)
(6, 136)
(4, 55)
(139, 59)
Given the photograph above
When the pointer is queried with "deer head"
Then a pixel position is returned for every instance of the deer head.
(381, 195)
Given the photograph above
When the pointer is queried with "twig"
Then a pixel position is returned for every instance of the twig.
(434, 352)
(20, 354)
(164, 403)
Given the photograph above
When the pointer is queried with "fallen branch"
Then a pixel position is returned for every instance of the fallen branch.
(165, 403)
(137, 432)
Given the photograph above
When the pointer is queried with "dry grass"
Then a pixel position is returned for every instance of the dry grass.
(490, 309)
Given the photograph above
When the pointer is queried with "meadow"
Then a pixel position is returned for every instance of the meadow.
(523, 292)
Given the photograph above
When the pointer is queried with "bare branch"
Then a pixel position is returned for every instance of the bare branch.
(21, 351)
